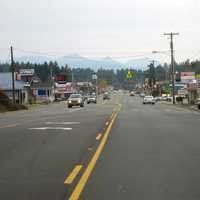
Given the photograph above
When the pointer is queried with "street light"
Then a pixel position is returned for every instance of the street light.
(173, 87)
(161, 52)
(95, 77)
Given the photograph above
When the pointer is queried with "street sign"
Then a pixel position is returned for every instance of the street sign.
(129, 75)
(94, 76)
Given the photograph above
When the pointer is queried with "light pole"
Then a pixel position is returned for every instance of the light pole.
(164, 53)
(94, 77)
(172, 68)
(13, 75)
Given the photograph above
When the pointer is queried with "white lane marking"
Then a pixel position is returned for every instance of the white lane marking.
(51, 128)
(46, 111)
(62, 123)
(74, 110)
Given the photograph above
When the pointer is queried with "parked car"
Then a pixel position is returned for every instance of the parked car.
(106, 96)
(169, 99)
(198, 103)
(164, 98)
(75, 100)
(142, 95)
(158, 98)
(132, 93)
(91, 99)
(148, 100)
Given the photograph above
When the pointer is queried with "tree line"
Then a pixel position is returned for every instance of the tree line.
(112, 77)
(43, 72)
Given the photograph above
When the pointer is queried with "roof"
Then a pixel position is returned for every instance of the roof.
(6, 82)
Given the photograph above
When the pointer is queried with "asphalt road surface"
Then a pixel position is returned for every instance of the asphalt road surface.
(117, 149)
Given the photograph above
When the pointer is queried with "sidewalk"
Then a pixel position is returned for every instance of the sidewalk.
(184, 105)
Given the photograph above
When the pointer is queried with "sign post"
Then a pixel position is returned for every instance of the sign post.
(129, 75)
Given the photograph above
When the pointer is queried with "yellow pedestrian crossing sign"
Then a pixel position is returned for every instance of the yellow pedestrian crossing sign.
(129, 75)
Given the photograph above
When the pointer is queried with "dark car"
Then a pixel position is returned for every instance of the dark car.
(75, 100)
(198, 103)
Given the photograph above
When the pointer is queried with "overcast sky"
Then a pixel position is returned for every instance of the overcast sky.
(100, 28)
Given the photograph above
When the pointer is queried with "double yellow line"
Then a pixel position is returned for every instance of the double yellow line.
(83, 180)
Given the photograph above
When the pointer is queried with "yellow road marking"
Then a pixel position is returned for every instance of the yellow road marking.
(8, 126)
(82, 182)
(98, 136)
(73, 174)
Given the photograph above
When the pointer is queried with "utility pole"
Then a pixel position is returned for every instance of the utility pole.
(152, 73)
(51, 73)
(172, 63)
(72, 78)
(13, 74)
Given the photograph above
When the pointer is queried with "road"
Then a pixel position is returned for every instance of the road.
(118, 149)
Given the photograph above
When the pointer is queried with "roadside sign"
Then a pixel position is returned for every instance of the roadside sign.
(26, 72)
(182, 92)
(197, 76)
(94, 76)
(129, 75)
(198, 83)
(186, 77)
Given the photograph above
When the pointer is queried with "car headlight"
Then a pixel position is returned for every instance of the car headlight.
(69, 101)
(79, 101)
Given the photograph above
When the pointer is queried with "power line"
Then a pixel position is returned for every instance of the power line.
(56, 54)
(35, 52)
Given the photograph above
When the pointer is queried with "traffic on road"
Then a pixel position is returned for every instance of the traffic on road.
(52, 152)
(99, 100)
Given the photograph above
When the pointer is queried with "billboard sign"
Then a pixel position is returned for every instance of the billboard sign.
(198, 83)
(186, 77)
(26, 72)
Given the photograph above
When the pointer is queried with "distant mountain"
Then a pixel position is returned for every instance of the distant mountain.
(76, 61)
(140, 63)
(109, 63)
(33, 59)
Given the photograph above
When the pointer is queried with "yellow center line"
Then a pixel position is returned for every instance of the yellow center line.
(82, 182)
(73, 174)
(8, 126)
(98, 136)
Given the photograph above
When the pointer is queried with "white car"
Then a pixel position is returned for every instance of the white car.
(148, 100)
(92, 99)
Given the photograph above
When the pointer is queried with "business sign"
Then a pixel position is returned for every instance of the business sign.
(41, 92)
(186, 77)
(60, 77)
(26, 72)
(198, 83)
(182, 92)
